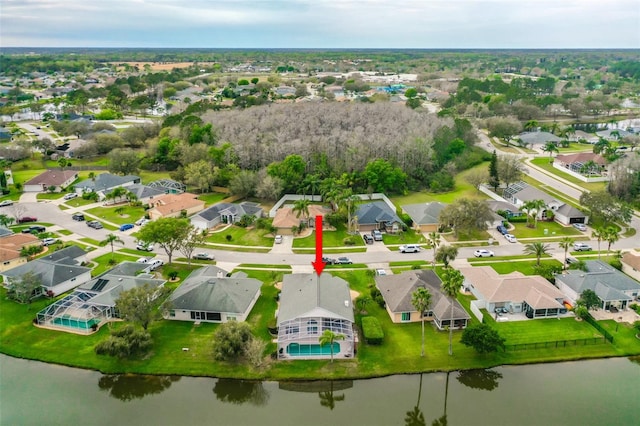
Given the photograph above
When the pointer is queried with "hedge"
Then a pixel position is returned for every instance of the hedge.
(372, 330)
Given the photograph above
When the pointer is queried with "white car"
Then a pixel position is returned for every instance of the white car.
(511, 238)
(483, 253)
(154, 264)
(380, 272)
(409, 248)
(70, 196)
(142, 222)
(203, 256)
(144, 247)
(278, 239)
(580, 226)
(6, 203)
(49, 241)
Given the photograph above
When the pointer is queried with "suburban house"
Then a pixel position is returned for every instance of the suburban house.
(105, 183)
(10, 247)
(504, 206)
(424, 215)
(92, 304)
(286, 218)
(225, 213)
(520, 192)
(631, 264)
(68, 148)
(378, 215)
(613, 288)
(537, 138)
(514, 292)
(59, 179)
(397, 290)
(613, 134)
(172, 205)
(144, 193)
(309, 305)
(57, 276)
(583, 163)
(209, 295)
(72, 253)
(580, 135)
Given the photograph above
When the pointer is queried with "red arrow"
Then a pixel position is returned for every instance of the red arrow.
(318, 265)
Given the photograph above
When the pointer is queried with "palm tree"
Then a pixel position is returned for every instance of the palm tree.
(301, 207)
(599, 234)
(550, 147)
(528, 208)
(119, 211)
(531, 125)
(601, 146)
(434, 240)
(6, 220)
(610, 236)
(446, 254)
(589, 167)
(452, 280)
(538, 250)
(421, 300)
(111, 238)
(566, 243)
(328, 337)
(538, 206)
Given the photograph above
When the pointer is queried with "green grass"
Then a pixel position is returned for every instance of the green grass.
(65, 232)
(260, 266)
(544, 330)
(502, 258)
(129, 215)
(91, 241)
(543, 163)
(527, 267)
(78, 202)
(409, 236)
(104, 265)
(247, 237)
(329, 239)
(212, 197)
(50, 196)
(554, 229)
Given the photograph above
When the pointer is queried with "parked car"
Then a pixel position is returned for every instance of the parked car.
(511, 238)
(368, 239)
(580, 226)
(34, 229)
(144, 246)
(142, 222)
(483, 253)
(70, 196)
(49, 241)
(94, 224)
(126, 226)
(144, 259)
(377, 235)
(328, 260)
(409, 248)
(381, 272)
(278, 239)
(501, 229)
(78, 216)
(154, 264)
(6, 203)
(343, 261)
(25, 219)
(582, 247)
(203, 256)
(571, 260)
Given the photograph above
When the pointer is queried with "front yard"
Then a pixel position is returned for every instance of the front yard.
(236, 235)
(545, 229)
(129, 213)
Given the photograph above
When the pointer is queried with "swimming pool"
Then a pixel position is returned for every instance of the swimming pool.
(71, 322)
(296, 349)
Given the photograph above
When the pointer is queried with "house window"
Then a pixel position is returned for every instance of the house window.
(213, 316)
(312, 327)
(406, 316)
(172, 313)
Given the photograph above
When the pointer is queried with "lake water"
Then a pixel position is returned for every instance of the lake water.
(595, 392)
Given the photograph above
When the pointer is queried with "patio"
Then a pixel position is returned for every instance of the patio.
(627, 315)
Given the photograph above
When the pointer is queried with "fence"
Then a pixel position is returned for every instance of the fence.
(557, 344)
(588, 318)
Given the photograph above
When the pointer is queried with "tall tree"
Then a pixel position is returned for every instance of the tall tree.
(606, 208)
(301, 207)
(434, 241)
(566, 244)
(452, 280)
(111, 238)
(510, 169)
(421, 300)
(466, 216)
(550, 147)
(140, 304)
(168, 232)
(446, 254)
(194, 238)
(610, 236)
(599, 234)
(328, 337)
(23, 288)
(537, 249)
(483, 338)
(494, 179)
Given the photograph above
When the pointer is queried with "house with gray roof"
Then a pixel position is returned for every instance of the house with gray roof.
(425, 216)
(105, 183)
(93, 303)
(514, 292)
(57, 276)
(397, 289)
(378, 215)
(225, 213)
(309, 305)
(613, 288)
(613, 134)
(144, 193)
(73, 252)
(209, 295)
(520, 192)
(537, 138)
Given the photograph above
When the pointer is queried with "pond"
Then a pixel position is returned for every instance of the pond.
(595, 392)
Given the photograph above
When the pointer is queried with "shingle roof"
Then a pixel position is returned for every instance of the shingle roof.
(536, 138)
(71, 252)
(107, 181)
(50, 273)
(307, 295)
(632, 259)
(582, 157)
(171, 203)
(111, 285)
(376, 212)
(529, 193)
(52, 177)
(229, 208)
(144, 191)
(206, 290)
(424, 213)
(598, 273)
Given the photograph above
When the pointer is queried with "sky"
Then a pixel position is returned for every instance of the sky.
(444, 24)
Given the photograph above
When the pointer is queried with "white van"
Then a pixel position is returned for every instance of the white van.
(409, 248)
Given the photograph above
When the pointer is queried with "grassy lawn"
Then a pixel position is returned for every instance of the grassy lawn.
(104, 262)
(474, 235)
(129, 215)
(543, 163)
(554, 229)
(329, 239)
(212, 197)
(527, 267)
(242, 236)
(544, 330)
(65, 232)
(78, 202)
(25, 174)
(409, 236)
(50, 196)
(260, 266)
(501, 258)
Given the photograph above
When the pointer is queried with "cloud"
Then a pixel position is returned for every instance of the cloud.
(322, 23)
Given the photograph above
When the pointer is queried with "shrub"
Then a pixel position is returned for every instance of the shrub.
(616, 263)
(125, 342)
(372, 331)
(349, 241)
(377, 297)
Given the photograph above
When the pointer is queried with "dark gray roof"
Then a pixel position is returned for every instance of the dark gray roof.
(307, 295)
(50, 273)
(569, 211)
(106, 181)
(537, 138)
(376, 212)
(144, 191)
(127, 268)
(529, 193)
(4, 231)
(208, 290)
(238, 210)
(496, 205)
(71, 252)
(600, 277)
(108, 286)
(424, 213)
(397, 289)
